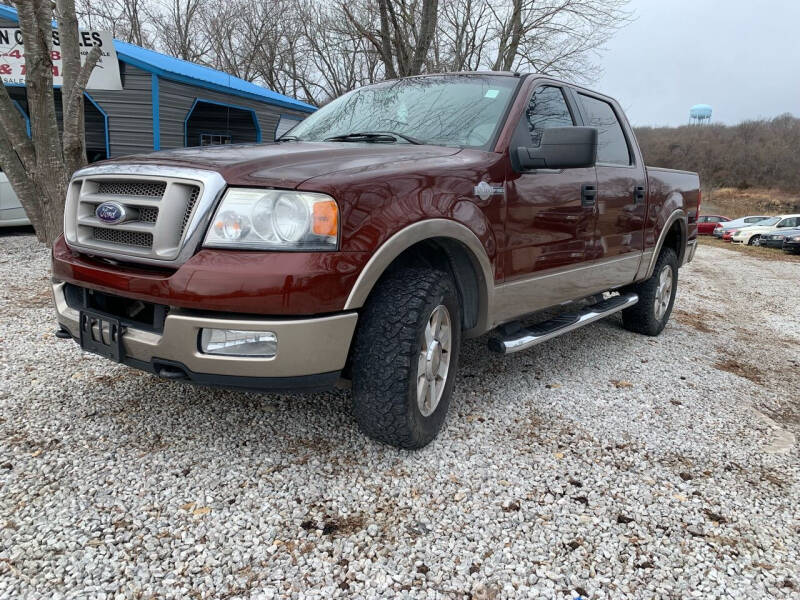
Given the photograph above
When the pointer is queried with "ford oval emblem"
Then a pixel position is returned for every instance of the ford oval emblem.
(110, 212)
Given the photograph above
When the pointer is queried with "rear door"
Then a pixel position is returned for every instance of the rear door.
(621, 191)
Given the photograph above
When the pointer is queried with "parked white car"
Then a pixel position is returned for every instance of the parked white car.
(11, 212)
(752, 235)
(747, 221)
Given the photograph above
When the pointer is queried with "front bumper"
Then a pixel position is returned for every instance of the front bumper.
(791, 246)
(311, 351)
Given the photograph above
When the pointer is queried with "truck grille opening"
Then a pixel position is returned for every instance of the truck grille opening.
(189, 206)
(148, 214)
(133, 313)
(152, 189)
(122, 237)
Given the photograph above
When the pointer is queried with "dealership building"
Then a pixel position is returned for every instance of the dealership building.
(164, 102)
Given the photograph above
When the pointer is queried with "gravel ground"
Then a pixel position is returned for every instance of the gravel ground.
(602, 464)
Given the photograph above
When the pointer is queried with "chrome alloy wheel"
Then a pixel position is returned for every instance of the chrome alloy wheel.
(434, 360)
(664, 292)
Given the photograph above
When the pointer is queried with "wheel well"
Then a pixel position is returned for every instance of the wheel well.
(450, 255)
(676, 239)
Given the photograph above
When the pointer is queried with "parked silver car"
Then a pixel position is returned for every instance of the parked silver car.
(721, 228)
(11, 211)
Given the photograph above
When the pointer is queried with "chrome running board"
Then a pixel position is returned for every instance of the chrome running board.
(515, 339)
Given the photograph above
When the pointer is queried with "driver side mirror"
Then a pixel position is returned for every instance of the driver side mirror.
(561, 148)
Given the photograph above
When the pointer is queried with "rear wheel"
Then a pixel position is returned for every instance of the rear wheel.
(406, 355)
(656, 297)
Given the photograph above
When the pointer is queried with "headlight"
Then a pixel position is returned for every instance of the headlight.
(795, 238)
(274, 220)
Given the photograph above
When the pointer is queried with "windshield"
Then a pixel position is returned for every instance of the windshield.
(448, 110)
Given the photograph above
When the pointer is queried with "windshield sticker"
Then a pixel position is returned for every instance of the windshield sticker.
(491, 93)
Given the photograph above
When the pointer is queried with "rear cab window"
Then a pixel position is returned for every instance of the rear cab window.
(612, 146)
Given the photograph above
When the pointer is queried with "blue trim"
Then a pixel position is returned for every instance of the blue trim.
(145, 66)
(24, 116)
(156, 100)
(236, 106)
(105, 123)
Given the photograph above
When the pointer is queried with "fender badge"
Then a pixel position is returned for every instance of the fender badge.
(484, 190)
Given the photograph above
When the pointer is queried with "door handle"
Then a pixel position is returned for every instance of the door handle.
(638, 194)
(588, 195)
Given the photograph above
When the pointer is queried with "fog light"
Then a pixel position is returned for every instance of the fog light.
(234, 342)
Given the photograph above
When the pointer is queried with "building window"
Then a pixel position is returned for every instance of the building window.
(214, 139)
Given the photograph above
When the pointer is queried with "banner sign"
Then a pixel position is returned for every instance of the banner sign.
(104, 77)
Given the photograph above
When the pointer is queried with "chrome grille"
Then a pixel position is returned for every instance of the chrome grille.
(123, 238)
(132, 188)
(166, 211)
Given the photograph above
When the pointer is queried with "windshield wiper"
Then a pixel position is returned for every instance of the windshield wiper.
(287, 138)
(373, 136)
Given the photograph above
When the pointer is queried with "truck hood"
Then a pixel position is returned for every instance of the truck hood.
(289, 164)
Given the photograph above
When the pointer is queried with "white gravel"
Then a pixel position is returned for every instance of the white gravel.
(602, 464)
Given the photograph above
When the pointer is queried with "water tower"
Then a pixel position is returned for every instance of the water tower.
(700, 114)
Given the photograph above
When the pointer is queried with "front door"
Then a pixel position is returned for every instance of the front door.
(549, 224)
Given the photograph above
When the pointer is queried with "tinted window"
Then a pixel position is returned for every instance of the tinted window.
(547, 109)
(612, 147)
(754, 219)
(702, 220)
(790, 222)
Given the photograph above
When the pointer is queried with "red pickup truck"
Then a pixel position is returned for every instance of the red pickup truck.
(370, 240)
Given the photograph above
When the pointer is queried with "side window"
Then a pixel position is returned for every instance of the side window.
(790, 222)
(612, 147)
(547, 109)
(702, 220)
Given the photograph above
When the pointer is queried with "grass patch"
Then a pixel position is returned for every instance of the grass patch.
(755, 251)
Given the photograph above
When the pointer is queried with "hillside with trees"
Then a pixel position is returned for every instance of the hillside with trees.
(763, 154)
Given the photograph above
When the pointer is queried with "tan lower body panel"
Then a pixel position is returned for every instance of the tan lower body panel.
(518, 298)
(305, 346)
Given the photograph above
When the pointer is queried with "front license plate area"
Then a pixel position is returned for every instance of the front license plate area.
(101, 335)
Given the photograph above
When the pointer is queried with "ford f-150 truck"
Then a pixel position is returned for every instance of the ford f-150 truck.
(365, 244)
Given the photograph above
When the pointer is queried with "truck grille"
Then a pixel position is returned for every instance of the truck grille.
(132, 188)
(123, 238)
(165, 211)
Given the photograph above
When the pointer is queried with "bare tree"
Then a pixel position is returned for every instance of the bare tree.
(558, 37)
(179, 24)
(316, 50)
(125, 19)
(404, 32)
(39, 167)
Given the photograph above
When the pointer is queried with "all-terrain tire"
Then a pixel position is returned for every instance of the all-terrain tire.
(643, 317)
(386, 356)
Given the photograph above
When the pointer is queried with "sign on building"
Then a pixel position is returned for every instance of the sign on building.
(104, 77)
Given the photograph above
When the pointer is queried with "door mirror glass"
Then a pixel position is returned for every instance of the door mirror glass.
(561, 148)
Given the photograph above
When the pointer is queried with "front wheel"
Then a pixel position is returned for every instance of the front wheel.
(405, 356)
(754, 241)
(656, 297)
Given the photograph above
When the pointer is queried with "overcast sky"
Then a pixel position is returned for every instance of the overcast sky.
(740, 56)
